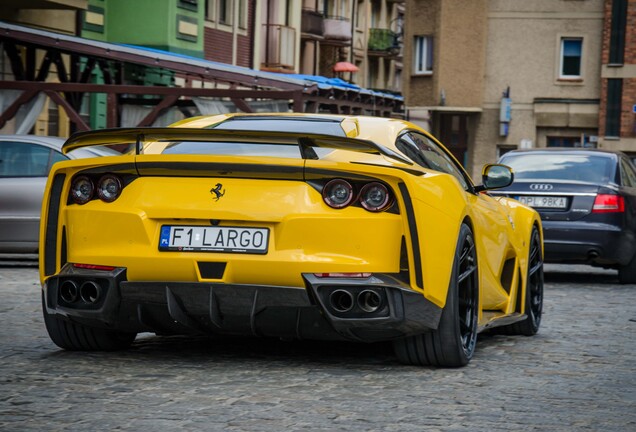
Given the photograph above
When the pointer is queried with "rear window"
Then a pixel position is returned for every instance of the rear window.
(558, 166)
(312, 125)
(222, 148)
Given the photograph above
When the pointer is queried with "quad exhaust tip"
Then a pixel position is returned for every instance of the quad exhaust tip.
(341, 300)
(369, 301)
(90, 292)
(69, 291)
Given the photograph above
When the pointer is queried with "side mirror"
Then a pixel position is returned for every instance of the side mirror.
(495, 176)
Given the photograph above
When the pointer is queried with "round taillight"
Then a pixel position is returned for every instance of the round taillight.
(82, 190)
(338, 193)
(109, 188)
(375, 197)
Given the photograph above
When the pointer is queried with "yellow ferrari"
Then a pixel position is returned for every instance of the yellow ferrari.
(295, 226)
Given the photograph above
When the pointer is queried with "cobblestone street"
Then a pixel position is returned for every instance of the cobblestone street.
(578, 373)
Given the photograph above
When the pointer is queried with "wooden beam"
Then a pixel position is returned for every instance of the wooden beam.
(10, 112)
(167, 102)
(70, 112)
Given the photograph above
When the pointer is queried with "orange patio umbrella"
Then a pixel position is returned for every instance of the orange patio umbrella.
(345, 67)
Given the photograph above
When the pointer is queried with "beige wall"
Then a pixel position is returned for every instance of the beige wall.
(459, 31)
(523, 52)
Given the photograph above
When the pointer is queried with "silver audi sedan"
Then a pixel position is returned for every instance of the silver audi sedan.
(25, 162)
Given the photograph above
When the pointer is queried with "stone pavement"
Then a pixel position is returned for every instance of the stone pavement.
(577, 374)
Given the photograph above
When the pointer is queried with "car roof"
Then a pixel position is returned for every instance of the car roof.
(56, 143)
(48, 141)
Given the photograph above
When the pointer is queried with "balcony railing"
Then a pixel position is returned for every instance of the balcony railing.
(383, 40)
(337, 28)
(312, 23)
(279, 46)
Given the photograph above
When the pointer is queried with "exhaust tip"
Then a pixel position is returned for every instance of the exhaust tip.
(369, 301)
(90, 292)
(593, 254)
(341, 300)
(69, 291)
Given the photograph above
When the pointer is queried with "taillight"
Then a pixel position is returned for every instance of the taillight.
(375, 197)
(338, 193)
(605, 203)
(82, 190)
(109, 188)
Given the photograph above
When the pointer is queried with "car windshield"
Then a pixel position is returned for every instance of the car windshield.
(560, 166)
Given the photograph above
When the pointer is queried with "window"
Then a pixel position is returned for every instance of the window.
(613, 110)
(617, 32)
(426, 153)
(564, 141)
(571, 53)
(561, 166)
(423, 55)
(19, 159)
(225, 12)
(242, 14)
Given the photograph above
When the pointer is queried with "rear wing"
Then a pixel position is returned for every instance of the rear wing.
(306, 141)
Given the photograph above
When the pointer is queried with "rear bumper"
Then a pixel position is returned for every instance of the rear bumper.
(577, 242)
(257, 310)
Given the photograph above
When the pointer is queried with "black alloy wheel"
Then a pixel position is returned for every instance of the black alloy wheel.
(453, 343)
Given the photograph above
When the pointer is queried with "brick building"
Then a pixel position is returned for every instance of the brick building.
(617, 119)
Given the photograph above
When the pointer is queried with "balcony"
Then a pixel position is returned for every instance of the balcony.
(312, 24)
(337, 30)
(383, 42)
(279, 47)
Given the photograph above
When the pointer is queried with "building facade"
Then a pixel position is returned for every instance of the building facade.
(153, 62)
(487, 76)
(617, 120)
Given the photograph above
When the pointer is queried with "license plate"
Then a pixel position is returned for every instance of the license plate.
(544, 201)
(214, 239)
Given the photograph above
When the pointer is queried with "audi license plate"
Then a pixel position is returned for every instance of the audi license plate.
(544, 201)
(214, 239)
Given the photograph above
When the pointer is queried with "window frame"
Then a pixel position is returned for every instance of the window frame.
(562, 76)
(423, 46)
(458, 172)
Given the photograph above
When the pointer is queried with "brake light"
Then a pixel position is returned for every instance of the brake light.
(605, 203)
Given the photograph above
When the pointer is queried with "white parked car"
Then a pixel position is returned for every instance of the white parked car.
(25, 162)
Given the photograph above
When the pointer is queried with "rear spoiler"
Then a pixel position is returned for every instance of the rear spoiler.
(306, 141)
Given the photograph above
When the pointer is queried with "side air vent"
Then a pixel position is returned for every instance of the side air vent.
(50, 236)
(506, 274)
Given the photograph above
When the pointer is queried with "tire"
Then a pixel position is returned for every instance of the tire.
(77, 337)
(627, 273)
(533, 298)
(453, 343)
